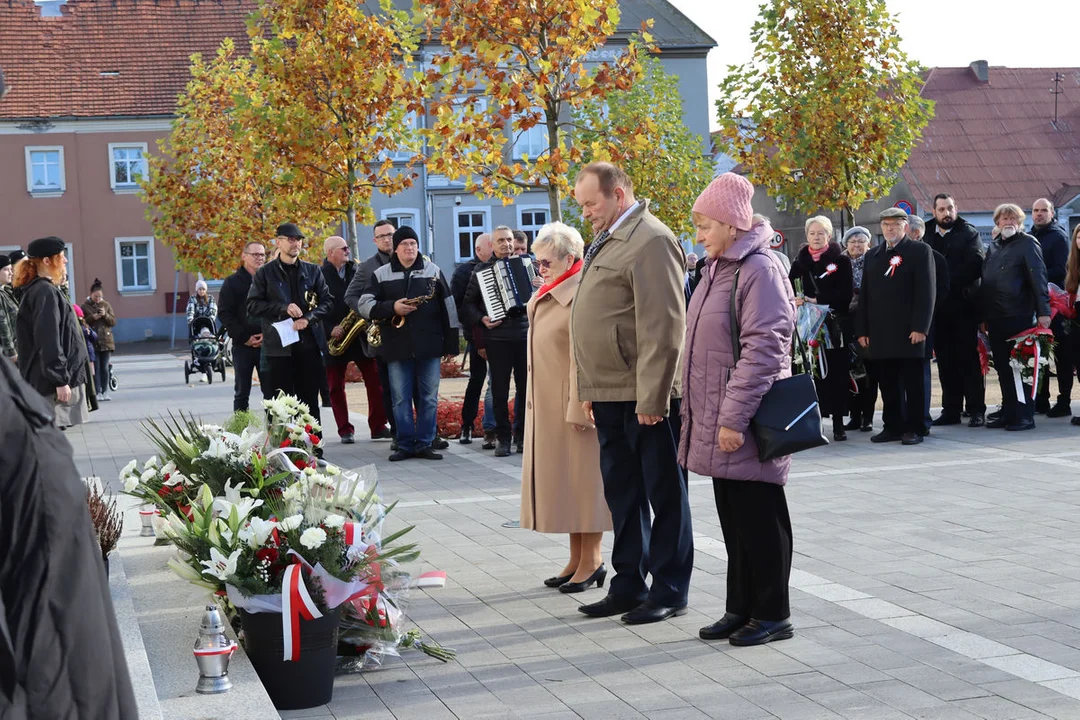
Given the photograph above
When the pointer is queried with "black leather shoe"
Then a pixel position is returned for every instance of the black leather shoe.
(610, 605)
(885, 436)
(466, 436)
(1023, 425)
(503, 450)
(759, 632)
(427, 454)
(1059, 410)
(839, 435)
(347, 439)
(597, 577)
(399, 455)
(868, 427)
(650, 612)
(439, 444)
(723, 627)
(946, 420)
(911, 439)
(489, 441)
(852, 425)
(990, 417)
(558, 580)
(977, 421)
(383, 434)
(997, 423)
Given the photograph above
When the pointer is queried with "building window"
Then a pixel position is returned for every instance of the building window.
(403, 217)
(403, 153)
(45, 171)
(127, 165)
(470, 223)
(135, 264)
(532, 142)
(531, 219)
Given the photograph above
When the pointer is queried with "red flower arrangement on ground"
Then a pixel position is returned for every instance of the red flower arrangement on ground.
(448, 417)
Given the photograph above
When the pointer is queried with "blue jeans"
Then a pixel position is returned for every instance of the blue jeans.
(419, 377)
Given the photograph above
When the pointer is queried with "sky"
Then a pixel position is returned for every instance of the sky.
(936, 33)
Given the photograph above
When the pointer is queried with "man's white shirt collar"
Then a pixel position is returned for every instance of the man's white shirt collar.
(622, 217)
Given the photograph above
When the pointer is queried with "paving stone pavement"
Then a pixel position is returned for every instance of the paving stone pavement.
(939, 581)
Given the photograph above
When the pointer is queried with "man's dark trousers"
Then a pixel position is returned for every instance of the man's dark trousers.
(640, 467)
(1013, 409)
(506, 357)
(300, 374)
(957, 350)
(902, 394)
(475, 389)
(1063, 364)
(387, 398)
(245, 361)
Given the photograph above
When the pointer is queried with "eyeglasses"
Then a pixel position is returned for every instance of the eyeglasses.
(256, 255)
(385, 236)
(546, 264)
(343, 247)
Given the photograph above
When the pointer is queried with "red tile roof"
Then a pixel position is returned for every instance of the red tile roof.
(54, 65)
(996, 142)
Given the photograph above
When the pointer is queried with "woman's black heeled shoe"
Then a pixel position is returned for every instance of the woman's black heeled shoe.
(598, 577)
(558, 580)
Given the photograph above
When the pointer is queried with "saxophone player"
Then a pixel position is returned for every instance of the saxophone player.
(419, 326)
(339, 270)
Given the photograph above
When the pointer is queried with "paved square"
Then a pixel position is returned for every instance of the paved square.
(937, 581)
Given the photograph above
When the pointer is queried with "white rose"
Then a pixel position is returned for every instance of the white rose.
(313, 538)
(290, 523)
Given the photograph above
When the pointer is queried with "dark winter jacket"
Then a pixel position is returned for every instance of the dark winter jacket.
(828, 280)
(232, 307)
(60, 650)
(51, 346)
(1055, 251)
(362, 278)
(9, 311)
(1014, 279)
(429, 332)
(513, 328)
(270, 296)
(101, 319)
(459, 283)
(893, 306)
(338, 286)
(964, 252)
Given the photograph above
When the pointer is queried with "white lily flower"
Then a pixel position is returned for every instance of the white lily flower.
(176, 479)
(313, 538)
(130, 483)
(169, 468)
(291, 523)
(175, 526)
(152, 462)
(148, 475)
(258, 530)
(220, 566)
(218, 448)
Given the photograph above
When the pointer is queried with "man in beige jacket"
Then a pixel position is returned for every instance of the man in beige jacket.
(628, 324)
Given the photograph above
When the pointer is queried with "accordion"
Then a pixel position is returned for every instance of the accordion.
(506, 285)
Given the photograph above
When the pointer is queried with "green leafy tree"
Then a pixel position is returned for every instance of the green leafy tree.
(651, 142)
(828, 109)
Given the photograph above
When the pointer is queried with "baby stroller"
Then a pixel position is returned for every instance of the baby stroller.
(206, 351)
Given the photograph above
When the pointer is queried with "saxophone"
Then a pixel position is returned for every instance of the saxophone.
(399, 320)
(353, 325)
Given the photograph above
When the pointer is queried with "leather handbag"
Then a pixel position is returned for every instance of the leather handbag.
(789, 417)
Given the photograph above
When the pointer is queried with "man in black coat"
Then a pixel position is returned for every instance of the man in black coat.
(290, 289)
(505, 344)
(958, 318)
(60, 650)
(478, 369)
(1055, 250)
(916, 232)
(896, 307)
(245, 333)
(339, 270)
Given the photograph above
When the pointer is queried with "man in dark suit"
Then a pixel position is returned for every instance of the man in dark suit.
(1054, 242)
(245, 333)
(896, 307)
(958, 319)
(339, 270)
(916, 231)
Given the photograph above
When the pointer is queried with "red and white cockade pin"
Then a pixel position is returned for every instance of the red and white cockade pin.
(893, 264)
(829, 270)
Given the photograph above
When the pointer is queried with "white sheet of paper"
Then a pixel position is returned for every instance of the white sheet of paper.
(286, 333)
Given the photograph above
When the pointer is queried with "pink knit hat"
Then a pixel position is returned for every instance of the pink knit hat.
(727, 200)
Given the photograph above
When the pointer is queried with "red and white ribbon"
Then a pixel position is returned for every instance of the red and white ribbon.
(894, 263)
(1035, 377)
(296, 602)
(354, 534)
(829, 270)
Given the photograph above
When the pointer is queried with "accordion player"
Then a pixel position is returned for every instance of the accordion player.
(506, 285)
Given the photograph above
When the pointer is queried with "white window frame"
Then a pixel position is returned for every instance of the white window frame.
(137, 290)
(129, 188)
(485, 228)
(413, 119)
(522, 209)
(52, 191)
(393, 214)
(523, 138)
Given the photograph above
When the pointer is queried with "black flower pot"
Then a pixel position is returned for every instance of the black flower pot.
(308, 682)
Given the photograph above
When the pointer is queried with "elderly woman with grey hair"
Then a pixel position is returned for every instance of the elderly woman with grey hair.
(857, 241)
(561, 487)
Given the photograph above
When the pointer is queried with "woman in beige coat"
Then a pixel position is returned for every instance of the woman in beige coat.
(561, 487)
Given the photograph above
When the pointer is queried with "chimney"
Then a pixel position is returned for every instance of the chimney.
(981, 70)
(50, 8)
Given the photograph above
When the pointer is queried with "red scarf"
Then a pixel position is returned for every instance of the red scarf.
(816, 254)
(574, 269)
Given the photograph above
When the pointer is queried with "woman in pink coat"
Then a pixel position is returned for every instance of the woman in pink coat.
(720, 396)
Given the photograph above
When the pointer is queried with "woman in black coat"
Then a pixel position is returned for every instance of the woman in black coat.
(825, 274)
(51, 348)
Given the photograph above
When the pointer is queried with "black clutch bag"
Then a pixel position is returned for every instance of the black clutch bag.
(789, 417)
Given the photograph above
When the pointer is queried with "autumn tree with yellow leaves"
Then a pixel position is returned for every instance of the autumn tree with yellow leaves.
(828, 109)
